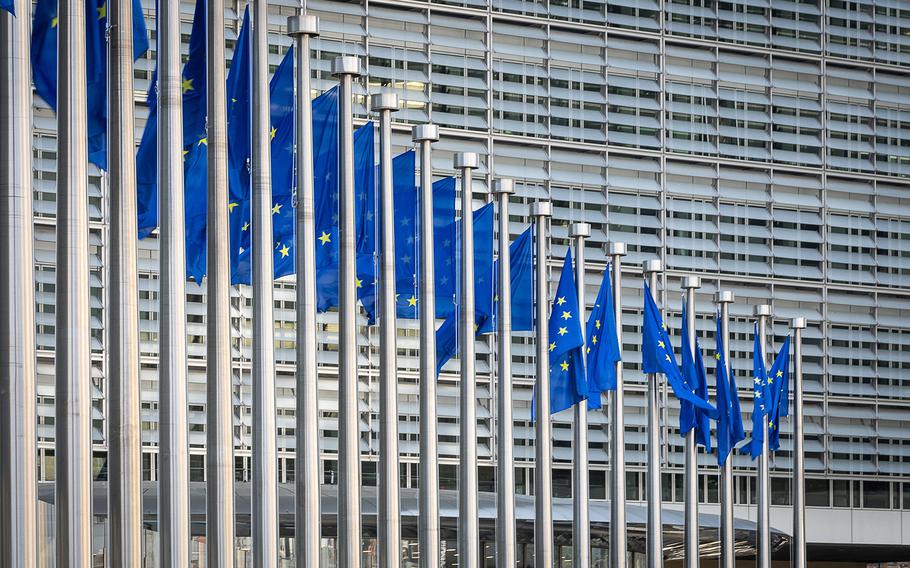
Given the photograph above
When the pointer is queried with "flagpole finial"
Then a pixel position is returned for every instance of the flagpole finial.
(798, 323)
(346, 65)
(652, 266)
(580, 230)
(541, 209)
(618, 249)
(384, 101)
(467, 160)
(425, 133)
(763, 310)
(304, 24)
(691, 282)
(724, 297)
(504, 185)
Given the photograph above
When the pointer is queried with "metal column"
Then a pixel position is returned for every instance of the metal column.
(346, 68)
(73, 364)
(18, 451)
(655, 542)
(505, 461)
(307, 507)
(468, 520)
(581, 524)
(389, 514)
(799, 459)
(428, 493)
(727, 534)
(618, 542)
(689, 284)
(763, 534)
(543, 478)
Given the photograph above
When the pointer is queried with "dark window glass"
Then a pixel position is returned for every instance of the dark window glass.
(486, 479)
(368, 473)
(448, 476)
(633, 486)
(562, 483)
(330, 472)
(841, 491)
(597, 481)
(877, 494)
(780, 491)
(818, 493)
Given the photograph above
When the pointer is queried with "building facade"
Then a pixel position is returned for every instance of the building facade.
(763, 145)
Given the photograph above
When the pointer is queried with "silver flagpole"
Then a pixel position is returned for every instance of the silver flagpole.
(505, 472)
(727, 534)
(265, 443)
(173, 503)
(581, 526)
(655, 546)
(428, 493)
(689, 284)
(306, 479)
(18, 488)
(125, 442)
(543, 478)
(389, 518)
(73, 363)
(799, 459)
(219, 427)
(763, 560)
(468, 520)
(618, 542)
(346, 68)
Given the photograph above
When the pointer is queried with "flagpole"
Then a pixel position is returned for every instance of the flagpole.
(73, 352)
(505, 461)
(306, 480)
(219, 458)
(389, 518)
(799, 460)
(428, 493)
(581, 525)
(618, 542)
(18, 486)
(689, 284)
(543, 478)
(655, 546)
(346, 68)
(173, 502)
(265, 443)
(468, 521)
(763, 312)
(727, 531)
(125, 442)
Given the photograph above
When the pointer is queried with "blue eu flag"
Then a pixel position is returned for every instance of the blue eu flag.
(694, 378)
(444, 245)
(729, 420)
(195, 184)
(9, 6)
(44, 64)
(405, 204)
(365, 217)
(657, 355)
(325, 195)
(281, 113)
(568, 385)
(239, 147)
(761, 395)
(779, 384)
(602, 343)
(521, 277)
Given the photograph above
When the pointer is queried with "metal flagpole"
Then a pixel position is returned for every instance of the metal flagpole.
(173, 502)
(428, 493)
(73, 363)
(689, 284)
(505, 490)
(727, 534)
(618, 542)
(18, 488)
(265, 443)
(306, 479)
(219, 427)
(125, 442)
(346, 68)
(581, 526)
(543, 478)
(655, 546)
(799, 460)
(389, 518)
(763, 560)
(468, 521)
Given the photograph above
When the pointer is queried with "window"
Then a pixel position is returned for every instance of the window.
(818, 493)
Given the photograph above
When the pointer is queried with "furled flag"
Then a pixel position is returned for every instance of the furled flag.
(239, 150)
(444, 245)
(44, 64)
(521, 277)
(694, 378)
(568, 385)
(761, 395)
(325, 195)
(729, 420)
(365, 204)
(779, 385)
(657, 355)
(603, 350)
(447, 334)
(404, 193)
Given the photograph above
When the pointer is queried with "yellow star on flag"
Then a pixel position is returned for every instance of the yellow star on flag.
(770, 380)
(231, 207)
(560, 301)
(276, 209)
(552, 346)
(102, 11)
(284, 251)
(780, 373)
(358, 282)
(562, 331)
(54, 22)
(325, 238)
(594, 339)
(246, 226)
(597, 324)
(661, 344)
(667, 357)
(717, 356)
(187, 85)
(412, 301)
(663, 325)
(564, 365)
(566, 315)
(272, 133)
(203, 141)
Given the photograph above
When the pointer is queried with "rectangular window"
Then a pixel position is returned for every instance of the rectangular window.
(818, 493)
(841, 491)
(876, 494)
